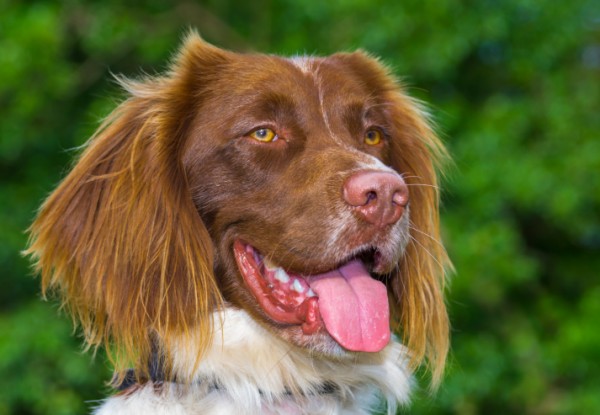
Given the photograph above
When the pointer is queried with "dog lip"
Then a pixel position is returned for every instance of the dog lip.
(287, 299)
(374, 259)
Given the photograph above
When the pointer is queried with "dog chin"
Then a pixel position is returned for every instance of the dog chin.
(319, 344)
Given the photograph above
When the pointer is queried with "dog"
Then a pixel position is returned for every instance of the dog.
(255, 234)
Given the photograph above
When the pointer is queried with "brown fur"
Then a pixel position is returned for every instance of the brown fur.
(137, 238)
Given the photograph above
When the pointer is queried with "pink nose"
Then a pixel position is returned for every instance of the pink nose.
(379, 197)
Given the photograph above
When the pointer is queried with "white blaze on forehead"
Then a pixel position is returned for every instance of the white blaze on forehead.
(311, 66)
(370, 162)
(304, 63)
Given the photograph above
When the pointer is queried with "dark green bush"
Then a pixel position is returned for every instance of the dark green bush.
(514, 86)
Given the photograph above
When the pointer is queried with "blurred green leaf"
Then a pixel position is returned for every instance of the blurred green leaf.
(514, 87)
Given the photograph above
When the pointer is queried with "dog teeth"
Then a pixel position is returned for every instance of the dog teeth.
(269, 265)
(281, 275)
(296, 286)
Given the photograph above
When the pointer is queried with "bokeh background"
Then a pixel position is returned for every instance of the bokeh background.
(515, 89)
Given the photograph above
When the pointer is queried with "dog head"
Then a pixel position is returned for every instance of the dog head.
(302, 190)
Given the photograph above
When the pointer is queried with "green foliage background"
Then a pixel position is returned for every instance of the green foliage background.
(514, 86)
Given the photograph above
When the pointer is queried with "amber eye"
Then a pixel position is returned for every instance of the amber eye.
(373, 137)
(266, 135)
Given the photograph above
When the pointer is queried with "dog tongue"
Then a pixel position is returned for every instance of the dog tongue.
(354, 307)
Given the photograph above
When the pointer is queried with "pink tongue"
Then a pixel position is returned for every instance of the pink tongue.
(354, 307)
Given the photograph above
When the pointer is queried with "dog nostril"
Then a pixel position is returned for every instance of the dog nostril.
(400, 197)
(371, 196)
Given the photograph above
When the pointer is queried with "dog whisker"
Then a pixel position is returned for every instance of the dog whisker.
(437, 241)
(431, 255)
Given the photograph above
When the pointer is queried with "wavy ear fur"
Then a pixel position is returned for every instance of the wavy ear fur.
(420, 283)
(120, 238)
(418, 287)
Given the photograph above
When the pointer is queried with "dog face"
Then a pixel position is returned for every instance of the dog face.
(273, 175)
(301, 190)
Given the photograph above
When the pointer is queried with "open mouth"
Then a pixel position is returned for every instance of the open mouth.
(347, 302)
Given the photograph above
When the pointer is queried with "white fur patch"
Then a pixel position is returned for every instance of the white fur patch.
(255, 372)
(304, 63)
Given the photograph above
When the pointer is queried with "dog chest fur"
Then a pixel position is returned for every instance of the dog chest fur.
(257, 373)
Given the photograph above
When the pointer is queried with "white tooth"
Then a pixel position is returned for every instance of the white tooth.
(310, 293)
(281, 275)
(296, 286)
(269, 265)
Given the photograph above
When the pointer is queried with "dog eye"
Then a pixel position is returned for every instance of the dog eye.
(373, 137)
(265, 135)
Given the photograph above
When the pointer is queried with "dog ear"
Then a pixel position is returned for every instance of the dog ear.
(418, 308)
(120, 238)
(419, 284)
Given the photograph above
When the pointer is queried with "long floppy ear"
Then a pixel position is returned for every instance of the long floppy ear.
(418, 287)
(120, 238)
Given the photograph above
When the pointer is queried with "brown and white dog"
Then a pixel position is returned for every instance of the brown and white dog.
(242, 232)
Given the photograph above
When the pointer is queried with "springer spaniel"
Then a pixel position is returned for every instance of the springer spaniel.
(243, 234)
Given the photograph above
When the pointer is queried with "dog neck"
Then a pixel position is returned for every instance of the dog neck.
(251, 362)
(255, 372)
